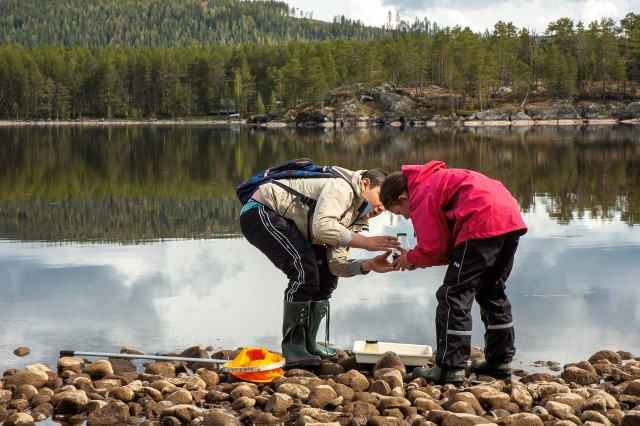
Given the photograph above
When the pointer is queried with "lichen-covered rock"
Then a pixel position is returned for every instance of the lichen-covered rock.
(366, 396)
(164, 369)
(21, 351)
(392, 376)
(72, 363)
(631, 418)
(463, 419)
(610, 356)
(354, 379)
(594, 416)
(70, 402)
(19, 419)
(122, 393)
(521, 419)
(294, 390)
(571, 399)
(181, 396)
(42, 412)
(243, 391)
(98, 369)
(243, 402)
(389, 360)
(112, 413)
(344, 391)
(278, 404)
(36, 379)
(381, 387)
(218, 418)
(579, 376)
(321, 395)
(5, 396)
(558, 409)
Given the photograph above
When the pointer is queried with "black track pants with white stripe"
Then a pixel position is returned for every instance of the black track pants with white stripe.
(280, 240)
(478, 270)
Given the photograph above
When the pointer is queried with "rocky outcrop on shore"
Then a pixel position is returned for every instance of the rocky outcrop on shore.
(601, 391)
(388, 105)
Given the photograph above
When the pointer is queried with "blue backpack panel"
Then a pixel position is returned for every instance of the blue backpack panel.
(297, 168)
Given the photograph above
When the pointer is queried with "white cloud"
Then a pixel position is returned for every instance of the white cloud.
(595, 10)
(533, 15)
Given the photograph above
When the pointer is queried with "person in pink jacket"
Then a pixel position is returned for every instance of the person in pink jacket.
(473, 224)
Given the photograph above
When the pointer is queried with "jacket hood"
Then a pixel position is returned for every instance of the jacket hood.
(417, 173)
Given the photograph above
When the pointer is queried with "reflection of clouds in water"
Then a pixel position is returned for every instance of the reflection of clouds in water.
(200, 266)
(594, 278)
(169, 295)
(68, 306)
(243, 306)
(160, 296)
(573, 289)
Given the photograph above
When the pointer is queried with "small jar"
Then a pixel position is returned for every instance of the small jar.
(404, 244)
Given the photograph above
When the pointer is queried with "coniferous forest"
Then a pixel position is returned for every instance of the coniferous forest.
(133, 59)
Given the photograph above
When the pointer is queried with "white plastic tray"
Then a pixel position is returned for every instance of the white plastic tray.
(369, 352)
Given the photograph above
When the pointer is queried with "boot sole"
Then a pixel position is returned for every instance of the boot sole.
(456, 384)
(489, 371)
(494, 375)
(441, 382)
(444, 382)
(303, 363)
(325, 356)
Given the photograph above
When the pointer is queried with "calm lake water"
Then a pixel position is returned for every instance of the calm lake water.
(128, 236)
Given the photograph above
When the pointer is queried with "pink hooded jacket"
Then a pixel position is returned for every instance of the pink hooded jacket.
(451, 206)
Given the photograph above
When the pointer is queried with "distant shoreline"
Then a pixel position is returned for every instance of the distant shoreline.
(105, 122)
(328, 124)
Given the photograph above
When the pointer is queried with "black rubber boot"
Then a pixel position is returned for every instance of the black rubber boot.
(440, 376)
(295, 328)
(482, 367)
(319, 310)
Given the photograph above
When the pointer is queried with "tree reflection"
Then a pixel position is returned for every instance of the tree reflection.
(139, 183)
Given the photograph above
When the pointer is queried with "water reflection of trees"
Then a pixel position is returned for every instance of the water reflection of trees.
(139, 183)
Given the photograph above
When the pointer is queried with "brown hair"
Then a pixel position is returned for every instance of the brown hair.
(375, 176)
(393, 187)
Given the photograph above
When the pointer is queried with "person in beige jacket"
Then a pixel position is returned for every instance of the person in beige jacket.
(313, 250)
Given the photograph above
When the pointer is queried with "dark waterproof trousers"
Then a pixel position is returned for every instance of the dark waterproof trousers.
(478, 269)
(303, 263)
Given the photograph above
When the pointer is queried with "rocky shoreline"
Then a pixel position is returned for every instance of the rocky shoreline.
(601, 391)
(388, 105)
(277, 123)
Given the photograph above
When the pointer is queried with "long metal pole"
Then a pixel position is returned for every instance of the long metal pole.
(178, 358)
(144, 356)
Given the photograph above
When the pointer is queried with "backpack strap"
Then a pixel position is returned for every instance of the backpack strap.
(311, 203)
(308, 201)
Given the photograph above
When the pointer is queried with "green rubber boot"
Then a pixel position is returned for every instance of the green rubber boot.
(319, 310)
(482, 367)
(295, 328)
(440, 376)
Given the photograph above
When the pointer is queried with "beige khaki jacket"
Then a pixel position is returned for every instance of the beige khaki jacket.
(338, 201)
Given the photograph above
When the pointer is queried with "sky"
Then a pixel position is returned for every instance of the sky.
(534, 15)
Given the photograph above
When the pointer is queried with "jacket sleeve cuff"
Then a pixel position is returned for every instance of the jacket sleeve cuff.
(356, 267)
(345, 239)
(411, 257)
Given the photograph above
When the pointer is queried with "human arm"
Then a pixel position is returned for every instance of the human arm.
(378, 264)
(342, 265)
(335, 200)
(402, 263)
(431, 229)
(374, 243)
